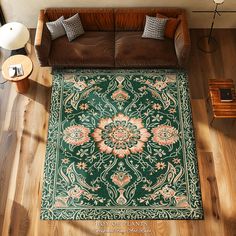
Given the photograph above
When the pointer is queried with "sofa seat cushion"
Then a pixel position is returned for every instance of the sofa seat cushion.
(131, 50)
(93, 49)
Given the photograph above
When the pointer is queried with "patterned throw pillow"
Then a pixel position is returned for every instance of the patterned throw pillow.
(154, 28)
(73, 27)
(56, 28)
(171, 25)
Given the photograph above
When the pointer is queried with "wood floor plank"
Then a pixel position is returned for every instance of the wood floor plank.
(201, 125)
(8, 148)
(194, 73)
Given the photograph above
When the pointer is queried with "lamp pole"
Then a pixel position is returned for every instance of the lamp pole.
(2, 18)
(208, 43)
(213, 22)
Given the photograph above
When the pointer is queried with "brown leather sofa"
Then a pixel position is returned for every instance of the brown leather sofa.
(112, 39)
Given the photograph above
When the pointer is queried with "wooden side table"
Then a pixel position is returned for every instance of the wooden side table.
(221, 109)
(21, 82)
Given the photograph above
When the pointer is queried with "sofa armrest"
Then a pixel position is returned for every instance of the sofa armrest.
(182, 41)
(42, 42)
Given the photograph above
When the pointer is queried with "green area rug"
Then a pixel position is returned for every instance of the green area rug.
(120, 146)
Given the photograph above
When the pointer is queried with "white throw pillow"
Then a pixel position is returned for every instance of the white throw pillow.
(154, 28)
(56, 28)
(73, 27)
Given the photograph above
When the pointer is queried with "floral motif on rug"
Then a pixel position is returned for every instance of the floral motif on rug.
(120, 146)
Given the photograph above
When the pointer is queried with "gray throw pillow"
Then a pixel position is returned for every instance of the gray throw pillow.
(56, 28)
(73, 27)
(154, 27)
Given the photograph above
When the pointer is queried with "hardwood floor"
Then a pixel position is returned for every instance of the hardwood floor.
(23, 132)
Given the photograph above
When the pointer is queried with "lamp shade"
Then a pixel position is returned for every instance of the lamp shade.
(13, 36)
(218, 1)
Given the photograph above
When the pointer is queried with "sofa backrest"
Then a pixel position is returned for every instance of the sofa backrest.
(112, 19)
(93, 19)
(133, 19)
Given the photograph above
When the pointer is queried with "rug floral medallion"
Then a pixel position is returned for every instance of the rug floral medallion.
(120, 146)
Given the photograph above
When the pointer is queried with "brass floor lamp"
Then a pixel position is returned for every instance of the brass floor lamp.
(208, 43)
